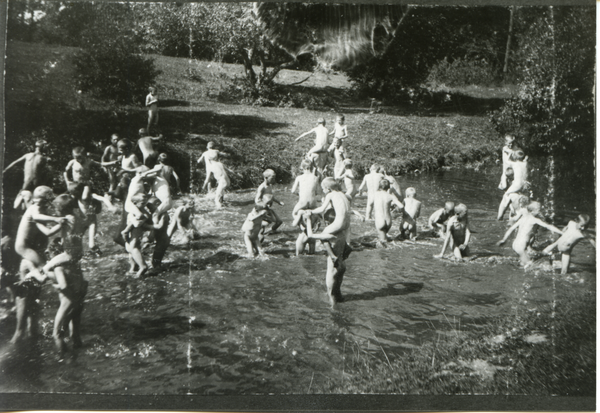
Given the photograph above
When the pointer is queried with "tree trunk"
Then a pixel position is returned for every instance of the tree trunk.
(508, 40)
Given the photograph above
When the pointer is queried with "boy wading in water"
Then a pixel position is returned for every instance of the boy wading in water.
(318, 153)
(526, 226)
(382, 210)
(572, 234)
(336, 208)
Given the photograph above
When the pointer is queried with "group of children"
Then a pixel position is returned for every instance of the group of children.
(145, 190)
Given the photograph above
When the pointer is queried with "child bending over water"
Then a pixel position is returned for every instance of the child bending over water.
(526, 226)
(457, 233)
(572, 234)
(437, 220)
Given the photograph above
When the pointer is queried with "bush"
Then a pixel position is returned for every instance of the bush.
(462, 72)
(111, 70)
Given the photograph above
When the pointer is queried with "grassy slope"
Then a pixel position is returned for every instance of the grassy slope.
(43, 101)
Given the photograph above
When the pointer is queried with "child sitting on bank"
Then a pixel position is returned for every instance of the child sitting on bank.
(252, 228)
(526, 226)
(168, 173)
(412, 211)
(264, 193)
(382, 210)
(371, 183)
(572, 234)
(437, 220)
(457, 233)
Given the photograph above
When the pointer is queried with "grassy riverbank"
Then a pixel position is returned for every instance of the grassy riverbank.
(544, 352)
(196, 107)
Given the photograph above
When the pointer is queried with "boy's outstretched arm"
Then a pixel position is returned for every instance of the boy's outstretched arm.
(304, 134)
(548, 226)
(510, 231)
(446, 242)
(21, 159)
(467, 238)
(49, 231)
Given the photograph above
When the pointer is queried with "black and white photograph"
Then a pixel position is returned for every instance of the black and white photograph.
(298, 206)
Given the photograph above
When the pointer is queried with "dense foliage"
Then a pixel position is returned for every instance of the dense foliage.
(430, 36)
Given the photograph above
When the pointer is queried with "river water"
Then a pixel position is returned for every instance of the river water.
(216, 322)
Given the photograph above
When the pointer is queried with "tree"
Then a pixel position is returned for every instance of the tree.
(109, 64)
(553, 112)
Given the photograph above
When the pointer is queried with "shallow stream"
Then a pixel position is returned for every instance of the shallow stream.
(216, 322)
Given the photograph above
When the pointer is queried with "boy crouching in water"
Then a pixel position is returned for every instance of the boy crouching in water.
(252, 230)
(572, 234)
(336, 210)
(457, 233)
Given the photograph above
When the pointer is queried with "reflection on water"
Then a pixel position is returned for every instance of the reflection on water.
(217, 323)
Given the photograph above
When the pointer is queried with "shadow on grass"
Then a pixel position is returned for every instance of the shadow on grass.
(388, 291)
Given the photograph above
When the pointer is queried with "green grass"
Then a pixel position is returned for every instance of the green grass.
(44, 102)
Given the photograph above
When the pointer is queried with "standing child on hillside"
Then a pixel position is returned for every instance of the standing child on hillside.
(382, 210)
(572, 234)
(412, 211)
(371, 182)
(457, 233)
(152, 105)
(526, 225)
(264, 193)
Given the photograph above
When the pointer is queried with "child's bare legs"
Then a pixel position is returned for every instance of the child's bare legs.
(277, 222)
(370, 202)
(136, 257)
(566, 262)
(250, 245)
(220, 193)
(60, 322)
(92, 235)
(503, 206)
(333, 280)
(35, 261)
(521, 249)
(163, 240)
(27, 310)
